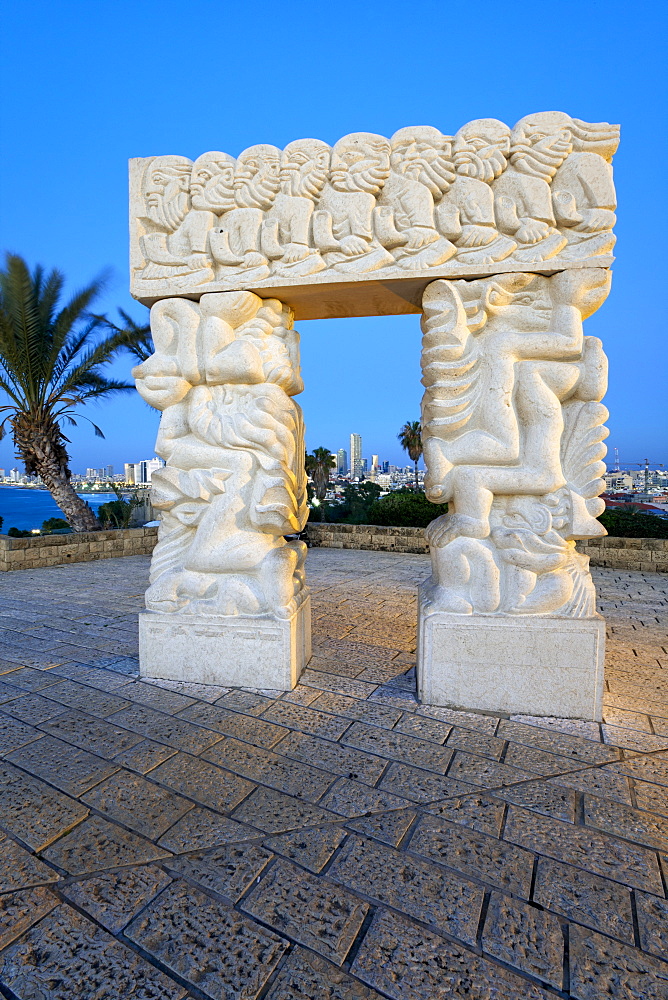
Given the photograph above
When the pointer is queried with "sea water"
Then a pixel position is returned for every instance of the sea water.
(27, 508)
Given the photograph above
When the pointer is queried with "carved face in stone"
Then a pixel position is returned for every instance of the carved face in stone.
(519, 302)
(422, 153)
(212, 183)
(166, 190)
(304, 168)
(540, 143)
(480, 149)
(360, 162)
(256, 179)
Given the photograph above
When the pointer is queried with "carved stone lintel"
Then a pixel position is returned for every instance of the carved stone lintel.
(399, 212)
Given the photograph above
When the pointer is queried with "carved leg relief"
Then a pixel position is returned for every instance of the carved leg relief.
(224, 373)
(513, 435)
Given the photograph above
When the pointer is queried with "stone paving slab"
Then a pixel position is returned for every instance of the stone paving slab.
(338, 842)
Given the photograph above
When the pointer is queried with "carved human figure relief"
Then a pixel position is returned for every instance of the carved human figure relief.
(529, 206)
(174, 239)
(537, 197)
(466, 213)
(286, 230)
(343, 225)
(223, 374)
(421, 171)
(583, 191)
(235, 244)
(512, 437)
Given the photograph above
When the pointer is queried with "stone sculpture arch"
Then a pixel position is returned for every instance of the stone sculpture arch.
(502, 239)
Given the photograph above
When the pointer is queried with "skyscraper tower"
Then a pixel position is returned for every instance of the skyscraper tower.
(342, 461)
(356, 455)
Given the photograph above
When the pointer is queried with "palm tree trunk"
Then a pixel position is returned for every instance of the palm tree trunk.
(79, 515)
(416, 475)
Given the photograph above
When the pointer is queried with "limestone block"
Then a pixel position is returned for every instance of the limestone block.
(224, 373)
(513, 431)
(537, 665)
(260, 651)
(363, 227)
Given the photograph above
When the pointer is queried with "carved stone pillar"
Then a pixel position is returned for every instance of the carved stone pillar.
(227, 602)
(512, 434)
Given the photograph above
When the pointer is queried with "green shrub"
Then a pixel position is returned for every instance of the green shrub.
(19, 533)
(54, 524)
(622, 524)
(405, 509)
(354, 509)
(115, 514)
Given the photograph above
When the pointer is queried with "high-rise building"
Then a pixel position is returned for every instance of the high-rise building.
(356, 456)
(342, 462)
(365, 465)
(130, 473)
(374, 463)
(109, 471)
(146, 469)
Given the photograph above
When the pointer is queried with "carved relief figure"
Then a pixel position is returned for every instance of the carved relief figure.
(522, 193)
(343, 225)
(286, 230)
(583, 191)
(235, 244)
(421, 171)
(466, 213)
(174, 241)
(512, 435)
(529, 205)
(540, 192)
(232, 437)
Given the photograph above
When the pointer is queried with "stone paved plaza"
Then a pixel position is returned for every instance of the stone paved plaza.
(339, 842)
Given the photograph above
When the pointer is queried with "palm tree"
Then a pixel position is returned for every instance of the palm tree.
(318, 465)
(410, 437)
(51, 362)
(136, 337)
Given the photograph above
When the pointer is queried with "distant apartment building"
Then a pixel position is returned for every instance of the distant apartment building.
(356, 469)
(618, 481)
(140, 473)
(342, 462)
(374, 463)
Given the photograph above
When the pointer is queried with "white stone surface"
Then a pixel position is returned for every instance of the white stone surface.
(223, 373)
(230, 650)
(394, 214)
(538, 665)
(512, 431)
(503, 239)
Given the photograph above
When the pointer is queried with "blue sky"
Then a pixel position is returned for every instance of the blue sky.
(92, 84)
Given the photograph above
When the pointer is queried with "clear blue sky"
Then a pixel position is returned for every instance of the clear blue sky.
(86, 85)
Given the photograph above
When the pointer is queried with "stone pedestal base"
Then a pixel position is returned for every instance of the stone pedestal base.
(520, 665)
(236, 651)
